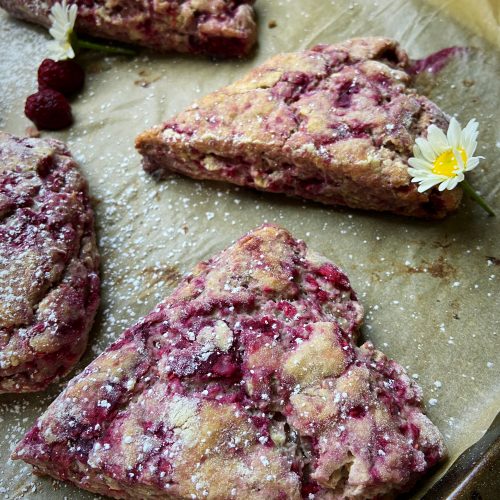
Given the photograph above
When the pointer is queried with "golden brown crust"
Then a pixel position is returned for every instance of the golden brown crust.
(244, 383)
(221, 28)
(49, 288)
(334, 124)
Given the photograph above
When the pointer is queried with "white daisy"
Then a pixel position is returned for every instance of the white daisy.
(444, 159)
(63, 19)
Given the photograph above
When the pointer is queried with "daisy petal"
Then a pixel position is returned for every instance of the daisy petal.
(422, 176)
(70, 53)
(426, 149)
(471, 128)
(73, 11)
(460, 163)
(56, 51)
(58, 32)
(417, 179)
(417, 175)
(469, 136)
(454, 134)
(417, 153)
(452, 183)
(444, 185)
(427, 184)
(469, 145)
(419, 164)
(438, 139)
(472, 163)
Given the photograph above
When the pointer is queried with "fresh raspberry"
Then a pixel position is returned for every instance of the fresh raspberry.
(48, 110)
(67, 76)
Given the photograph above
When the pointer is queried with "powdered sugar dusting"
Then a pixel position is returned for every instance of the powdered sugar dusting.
(154, 232)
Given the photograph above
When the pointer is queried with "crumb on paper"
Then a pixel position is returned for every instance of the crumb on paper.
(32, 131)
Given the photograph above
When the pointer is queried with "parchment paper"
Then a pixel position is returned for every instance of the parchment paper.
(430, 288)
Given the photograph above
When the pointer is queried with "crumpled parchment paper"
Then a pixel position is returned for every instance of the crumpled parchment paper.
(430, 289)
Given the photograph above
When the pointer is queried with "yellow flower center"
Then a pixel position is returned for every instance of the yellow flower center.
(446, 163)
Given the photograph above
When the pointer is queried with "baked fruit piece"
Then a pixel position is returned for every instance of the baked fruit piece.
(222, 28)
(244, 383)
(334, 124)
(49, 283)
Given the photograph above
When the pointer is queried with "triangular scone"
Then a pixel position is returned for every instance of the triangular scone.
(334, 124)
(222, 28)
(49, 266)
(244, 383)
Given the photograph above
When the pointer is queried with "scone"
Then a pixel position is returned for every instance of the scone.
(335, 124)
(221, 28)
(49, 282)
(245, 383)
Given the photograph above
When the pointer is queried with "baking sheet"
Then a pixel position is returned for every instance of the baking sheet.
(430, 289)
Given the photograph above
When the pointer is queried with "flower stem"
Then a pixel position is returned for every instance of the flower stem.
(477, 198)
(101, 47)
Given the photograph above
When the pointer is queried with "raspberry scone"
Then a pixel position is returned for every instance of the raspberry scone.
(221, 28)
(49, 283)
(335, 124)
(245, 383)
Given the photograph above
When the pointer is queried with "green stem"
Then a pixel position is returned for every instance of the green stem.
(101, 47)
(477, 198)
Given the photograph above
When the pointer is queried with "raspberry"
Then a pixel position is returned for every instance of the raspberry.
(48, 110)
(67, 76)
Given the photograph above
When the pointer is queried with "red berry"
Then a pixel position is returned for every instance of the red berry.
(49, 110)
(67, 76)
